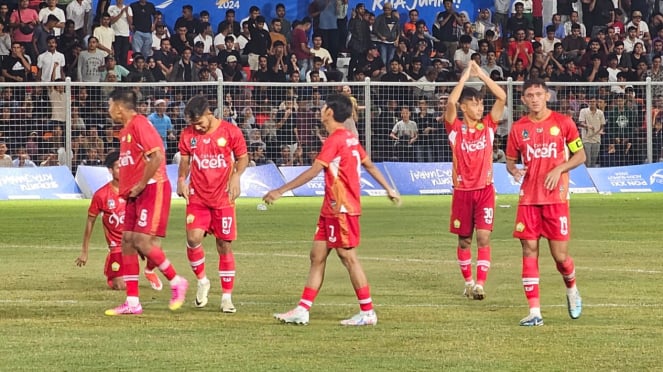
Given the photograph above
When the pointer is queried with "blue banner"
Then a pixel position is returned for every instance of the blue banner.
(90, 179)
(316, 186)
(420, 178)
(257, 181)
(579, 181)
(38, 183)
(635, 178)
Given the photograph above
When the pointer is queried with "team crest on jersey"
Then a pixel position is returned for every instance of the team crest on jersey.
(456, 224)
(554, 131)
(115, 266)
(129, 138)
(190, 218)
(520, 227)
(194, 142)
(111, 204)
(525, 134)
(221, 142)
(480, 126)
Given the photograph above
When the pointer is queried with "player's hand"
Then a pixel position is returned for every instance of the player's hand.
(272, 196)
(233, 188)
(519, 175)
(136, 190)
(394, 196)
(183, 190)
(552, 178)
(81, 260)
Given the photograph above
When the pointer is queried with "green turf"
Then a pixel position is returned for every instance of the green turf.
(51, 312)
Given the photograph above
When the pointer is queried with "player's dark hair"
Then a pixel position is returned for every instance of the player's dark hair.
(111, 158)
(341, 105)
(534, 83)
(470, 94)
(124, 96)
(196, 107)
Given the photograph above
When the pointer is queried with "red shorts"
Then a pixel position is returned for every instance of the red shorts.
(341, 231)
(220, 222)
(472, 209)
(113, 266)
(549, 220)
(148, 212)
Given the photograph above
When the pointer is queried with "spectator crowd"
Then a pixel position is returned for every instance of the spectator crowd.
(131, 45)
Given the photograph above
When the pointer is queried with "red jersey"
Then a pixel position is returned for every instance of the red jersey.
(107, 201)
(542, 146)
(138, 139)
(342, 155)
(522, 51)
(212, 157)
(472, 151)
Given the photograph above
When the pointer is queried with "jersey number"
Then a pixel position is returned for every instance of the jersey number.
(563, 225)
(226, 224)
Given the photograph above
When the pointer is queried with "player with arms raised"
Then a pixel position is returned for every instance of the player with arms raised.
(214, 157)
(144, 184)
(549, 146)
(473, 201)
(341, 158)
(107, 202)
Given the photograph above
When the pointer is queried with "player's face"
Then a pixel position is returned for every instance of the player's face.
(115, 171)
(203, 123)
(535, 98)
(472, 109)
(115, 111)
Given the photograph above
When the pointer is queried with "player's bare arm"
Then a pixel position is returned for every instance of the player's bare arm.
(182, 173)
(85, 247)
(154, 160)
(578, 157)
(450, 113)
(234, 188)
(392, 194)
(517, 173)
(303, 178)
(499, 93)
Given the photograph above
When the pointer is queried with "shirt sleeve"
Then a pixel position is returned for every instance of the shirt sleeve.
(184, 143)
(573, 140)
(329, 150)
(512, 151)
(239, 143)
(95, 205)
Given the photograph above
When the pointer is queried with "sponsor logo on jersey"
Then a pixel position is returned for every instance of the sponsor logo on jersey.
(190, 218)
(463, 128)
(554, 131)
(541, 151)
(126, 159)
(221, 142)
(207, 140)
(116, 219)
(210, 162)
(456, 224)
(473, 146)
(525, 134)
(193, 142)
(539, 130)
(111, 203)
(520, 227)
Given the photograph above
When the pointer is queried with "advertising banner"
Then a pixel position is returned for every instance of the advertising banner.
(420, 178)
(634, 178)
(580, 182)
(38, 183)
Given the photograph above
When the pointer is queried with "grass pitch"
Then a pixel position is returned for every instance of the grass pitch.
(51, 312)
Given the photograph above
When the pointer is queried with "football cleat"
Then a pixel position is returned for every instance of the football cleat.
(298, 315)
(179, 294)
(125, 309)
(202, 293)
(227, 306)
(361, 319)
(154, 280)
(532, 320)
(478, 292)
(468, 290)
(574, 304)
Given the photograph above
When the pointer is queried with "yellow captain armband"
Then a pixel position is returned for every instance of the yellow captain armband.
(575, 145)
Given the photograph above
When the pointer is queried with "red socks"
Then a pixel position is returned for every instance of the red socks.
(483, 264)
(364, 297)
(530, 277)
(196, 256)
(131, 271)
(157, 256)
(568, 271)
(465, 263)
(308, 296)
(227, 272)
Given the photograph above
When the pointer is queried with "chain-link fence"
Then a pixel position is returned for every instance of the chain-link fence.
(67, 123)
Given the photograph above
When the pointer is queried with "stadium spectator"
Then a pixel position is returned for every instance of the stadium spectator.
(42, 32)
(22, 158)
(443, 29)
(105, 35)
(51, 8)
(387, 28)
(187, 21)
(5, 160)
(79, 12)
(51, 63)
(144, 13)
(286, 25)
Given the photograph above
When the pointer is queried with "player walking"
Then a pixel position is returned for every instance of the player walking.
(214, 157)
(549, 146)
(144, 185)
(473, 201)
(341, 157)
(107, 202)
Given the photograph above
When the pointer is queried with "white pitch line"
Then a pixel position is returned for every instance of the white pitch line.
(368, 258)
